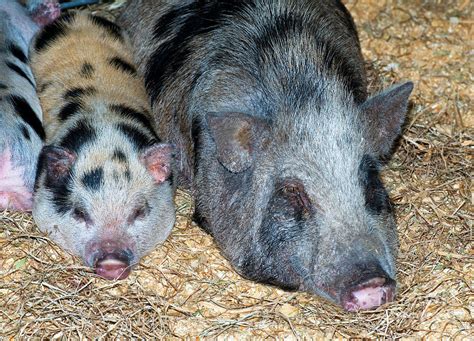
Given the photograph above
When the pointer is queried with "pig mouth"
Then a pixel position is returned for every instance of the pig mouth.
(113, 266)
(369, 294)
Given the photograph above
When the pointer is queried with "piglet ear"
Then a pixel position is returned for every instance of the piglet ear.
(158, 160)
(386, 112)
(237, 137)
(58, 162)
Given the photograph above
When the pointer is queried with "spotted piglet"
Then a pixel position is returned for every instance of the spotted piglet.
(21, 131)
(104, 188)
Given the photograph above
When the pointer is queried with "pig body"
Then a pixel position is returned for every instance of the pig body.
(21, 131)
(267, 101)
(104, 188)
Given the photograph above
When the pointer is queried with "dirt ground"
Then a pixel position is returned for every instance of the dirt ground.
(186, 288)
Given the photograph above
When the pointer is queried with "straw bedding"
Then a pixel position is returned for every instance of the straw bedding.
(186, 288)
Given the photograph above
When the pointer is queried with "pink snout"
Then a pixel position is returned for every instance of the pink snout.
(111, 259)
(369, 294)
(112, 267)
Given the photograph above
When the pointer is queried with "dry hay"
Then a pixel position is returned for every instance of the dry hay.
(186, 288)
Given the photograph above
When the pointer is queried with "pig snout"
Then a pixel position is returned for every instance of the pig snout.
(113, 266)
(366, 286)
(111, 260)
(369, 294)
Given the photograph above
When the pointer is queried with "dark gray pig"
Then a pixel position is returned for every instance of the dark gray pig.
(267, 101)
(21, 131)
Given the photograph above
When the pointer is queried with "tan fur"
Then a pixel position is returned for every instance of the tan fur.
(137, 180)
(57, 68)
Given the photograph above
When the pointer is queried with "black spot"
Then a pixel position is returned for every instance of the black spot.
(25, 132)
(61, 194)
(376, 197)
(116, 176)
(193, 20)
(3, 86)
(171, 179)
(92, 180)
(60, 188)
(134, 115)
(17, 52)
(69, 110)
(123, 66)
(24, 110)
(337, 60)
(334, 58)
(87, 70)
(119, 156)
(53, 31)
(112, 28)
(44, 86)
(20, 72)
(135, 136)
(83, 133)
(76, 94)
(128, 175)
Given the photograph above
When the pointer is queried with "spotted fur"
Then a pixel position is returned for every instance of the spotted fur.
(21, 130)
(103, 161)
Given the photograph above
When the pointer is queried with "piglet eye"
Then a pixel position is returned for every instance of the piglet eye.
(81, 215)
(140, 212)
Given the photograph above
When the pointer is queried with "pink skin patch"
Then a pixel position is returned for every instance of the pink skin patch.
(112, 269)
(46, 12)
(13, 192)
(369, 296)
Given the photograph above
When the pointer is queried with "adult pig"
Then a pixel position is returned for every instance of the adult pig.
(104, 188)
(267, 101)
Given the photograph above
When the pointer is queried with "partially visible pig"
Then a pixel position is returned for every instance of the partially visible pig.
(21, 131)
(104, 188)
(268, 102)
(43, 12)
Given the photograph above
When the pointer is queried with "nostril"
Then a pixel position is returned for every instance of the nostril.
(369, 294)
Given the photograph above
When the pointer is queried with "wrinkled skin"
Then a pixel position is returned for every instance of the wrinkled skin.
(268, 103)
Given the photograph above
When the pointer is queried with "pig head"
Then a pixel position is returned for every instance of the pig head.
(298, 202)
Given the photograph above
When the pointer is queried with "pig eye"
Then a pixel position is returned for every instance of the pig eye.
(81, 215)
(140, 212)
(295, 193)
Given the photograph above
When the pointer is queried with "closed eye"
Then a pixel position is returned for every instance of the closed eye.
(295, 193)
(140, 212)
(81, 215)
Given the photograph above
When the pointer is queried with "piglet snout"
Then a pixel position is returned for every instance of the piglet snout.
(369, 294)
(113, 265)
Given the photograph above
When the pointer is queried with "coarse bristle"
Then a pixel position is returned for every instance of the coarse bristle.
(186, 288)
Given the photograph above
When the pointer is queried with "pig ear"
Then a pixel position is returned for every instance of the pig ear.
(237, 136)
(386, 112)
(158, 160)
(58, 162)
